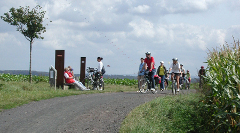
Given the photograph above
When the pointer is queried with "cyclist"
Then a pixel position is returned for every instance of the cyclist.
(188, 76)
(99, 74)
(149, 62)
(182, 75)
(166, 78)
(175, 67)
(161, 72)
(201, 73)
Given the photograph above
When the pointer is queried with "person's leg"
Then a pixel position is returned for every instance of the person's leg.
(180, 80)
(162, 81)
(152, 78)
(166, 81)
(100, 83)
(80, 85)
(141, 78)
(138, 77)
(177, 77)
(172, 76)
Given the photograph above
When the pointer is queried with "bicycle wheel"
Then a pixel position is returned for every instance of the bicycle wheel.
(173, 87)
(88, 83)
(143, 86)
(103, 85)
(188, 84)
(102, 82)
(165, 85)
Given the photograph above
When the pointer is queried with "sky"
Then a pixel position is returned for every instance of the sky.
(121, 31)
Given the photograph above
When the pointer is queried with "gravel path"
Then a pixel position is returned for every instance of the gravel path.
(99, 113)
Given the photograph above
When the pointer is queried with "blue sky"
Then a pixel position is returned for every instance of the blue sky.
(121, 31)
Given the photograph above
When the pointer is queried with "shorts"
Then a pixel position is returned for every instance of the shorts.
(177, 74)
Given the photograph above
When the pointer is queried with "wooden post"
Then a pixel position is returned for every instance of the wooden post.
(82, 70)
(59, 66)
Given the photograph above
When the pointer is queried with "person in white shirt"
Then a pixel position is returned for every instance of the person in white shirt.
(175, 67)
(182, 75)
(100, 64)
(99, 74)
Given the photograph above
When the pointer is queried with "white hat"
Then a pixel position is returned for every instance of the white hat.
(161, 62)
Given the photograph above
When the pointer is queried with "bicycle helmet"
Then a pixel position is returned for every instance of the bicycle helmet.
(202, 66)
(175, 59)
(148, 53)
(161, 62)
(187, 70)
(181, 64)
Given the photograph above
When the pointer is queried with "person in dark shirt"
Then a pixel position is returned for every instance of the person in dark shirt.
(201, 73)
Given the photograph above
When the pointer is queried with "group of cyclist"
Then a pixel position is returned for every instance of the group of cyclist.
(176, 69)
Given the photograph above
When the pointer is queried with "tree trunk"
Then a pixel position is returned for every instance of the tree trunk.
(30, 66)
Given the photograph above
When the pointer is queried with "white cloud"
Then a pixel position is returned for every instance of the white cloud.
(142, 28)
(122, 31)
(186, 6)
(140, 9)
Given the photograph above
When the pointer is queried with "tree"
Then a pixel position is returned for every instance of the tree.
(29, 22)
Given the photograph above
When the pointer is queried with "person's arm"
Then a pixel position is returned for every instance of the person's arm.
(158, 70)
(67, 77)
(151, 67)
(179, 67)
(152, 63)
(144, 67)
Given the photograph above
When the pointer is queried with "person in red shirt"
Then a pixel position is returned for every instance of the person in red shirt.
(70, 80)
(149, 63)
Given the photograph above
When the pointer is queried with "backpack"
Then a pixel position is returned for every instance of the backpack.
(103, 70)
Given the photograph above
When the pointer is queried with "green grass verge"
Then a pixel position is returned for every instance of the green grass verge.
(13, 94)
(170, 114)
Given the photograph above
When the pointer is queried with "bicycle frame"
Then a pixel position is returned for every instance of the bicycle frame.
(93, 79)
(145, 84)
(174, 85)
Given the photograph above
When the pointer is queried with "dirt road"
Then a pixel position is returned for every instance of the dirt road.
(99, 113)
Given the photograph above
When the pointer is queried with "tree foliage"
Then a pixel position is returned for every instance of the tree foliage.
(29, 22)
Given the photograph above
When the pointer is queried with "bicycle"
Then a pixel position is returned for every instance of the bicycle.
(145, 84)
(174, 85)
(157, 81)
(187, 84)
(182, 81)
(165, 84)
(92, 80)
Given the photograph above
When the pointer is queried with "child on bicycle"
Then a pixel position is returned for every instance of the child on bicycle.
(188, 76)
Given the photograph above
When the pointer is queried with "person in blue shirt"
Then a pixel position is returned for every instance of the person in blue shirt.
(140, 73)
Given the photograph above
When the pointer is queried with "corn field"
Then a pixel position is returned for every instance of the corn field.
(222, 88)
(25, 78)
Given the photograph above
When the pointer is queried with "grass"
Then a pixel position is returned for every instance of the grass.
(164, 114)
(170, 114)
(13, 94)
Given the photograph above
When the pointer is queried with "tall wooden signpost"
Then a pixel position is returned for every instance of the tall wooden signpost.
(82, 69)
(59, 66)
